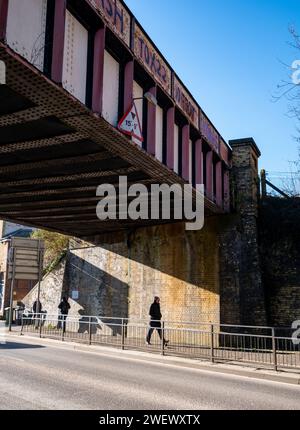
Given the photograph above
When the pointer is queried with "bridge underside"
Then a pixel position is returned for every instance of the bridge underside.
(55, 152)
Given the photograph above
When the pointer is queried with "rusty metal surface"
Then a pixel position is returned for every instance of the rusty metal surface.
(40, 182)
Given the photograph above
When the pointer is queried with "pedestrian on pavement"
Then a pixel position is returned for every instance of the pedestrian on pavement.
(37, 310)
(64, 307)
(37, 307)
(155, 322)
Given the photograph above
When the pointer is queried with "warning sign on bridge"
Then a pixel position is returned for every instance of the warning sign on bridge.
(130, 124)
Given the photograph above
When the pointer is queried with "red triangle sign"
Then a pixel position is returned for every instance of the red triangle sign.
(130, 124)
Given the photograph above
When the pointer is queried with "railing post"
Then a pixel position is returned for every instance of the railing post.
(163, 338)
(40, 322)
(22, 326)
(263, 183)
(212, 359)
(123, 336)
(274, 350)
(62, 329)
(90, 331)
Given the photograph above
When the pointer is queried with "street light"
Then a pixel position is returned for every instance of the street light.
(149, 97)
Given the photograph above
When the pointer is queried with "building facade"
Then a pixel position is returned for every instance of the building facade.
(22, 288)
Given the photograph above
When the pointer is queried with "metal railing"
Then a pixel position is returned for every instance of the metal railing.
(284, 184)
(253, 345)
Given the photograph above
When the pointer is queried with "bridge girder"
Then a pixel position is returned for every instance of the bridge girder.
(55, 152)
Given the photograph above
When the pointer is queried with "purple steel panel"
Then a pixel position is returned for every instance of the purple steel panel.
(58, 40)
(98, 71)
(186, 152)
(3, 18)
(224, 151)
(170, 137)
(186, 103)
(199, 162)
(219, 179)
(128, 85)
(209, 132)
(151, 124)
(209, 175)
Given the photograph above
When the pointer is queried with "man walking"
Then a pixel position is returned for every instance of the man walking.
(64, 307)
(37, 312)
(37, 307)
(155, 322)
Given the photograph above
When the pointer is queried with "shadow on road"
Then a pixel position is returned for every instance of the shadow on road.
(17, 345)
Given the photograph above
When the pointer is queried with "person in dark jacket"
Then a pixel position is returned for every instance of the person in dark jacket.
(37, 311)
(64, 307)
(155, 323)
(37, 307)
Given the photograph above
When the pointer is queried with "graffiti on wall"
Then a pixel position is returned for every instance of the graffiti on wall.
(209, 132)
(151, 60)
(116, 16)
(186, 103)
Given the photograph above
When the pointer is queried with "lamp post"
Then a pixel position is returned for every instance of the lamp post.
(149, 97)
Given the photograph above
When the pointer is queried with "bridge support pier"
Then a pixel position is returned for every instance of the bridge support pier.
(242, 294)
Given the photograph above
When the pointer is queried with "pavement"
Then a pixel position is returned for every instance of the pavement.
(48, 374)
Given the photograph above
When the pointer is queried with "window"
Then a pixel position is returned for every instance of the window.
(190, 161)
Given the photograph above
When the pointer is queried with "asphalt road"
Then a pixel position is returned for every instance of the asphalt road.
(49, 377)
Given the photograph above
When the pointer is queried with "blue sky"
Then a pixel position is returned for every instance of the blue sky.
(229, 53)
